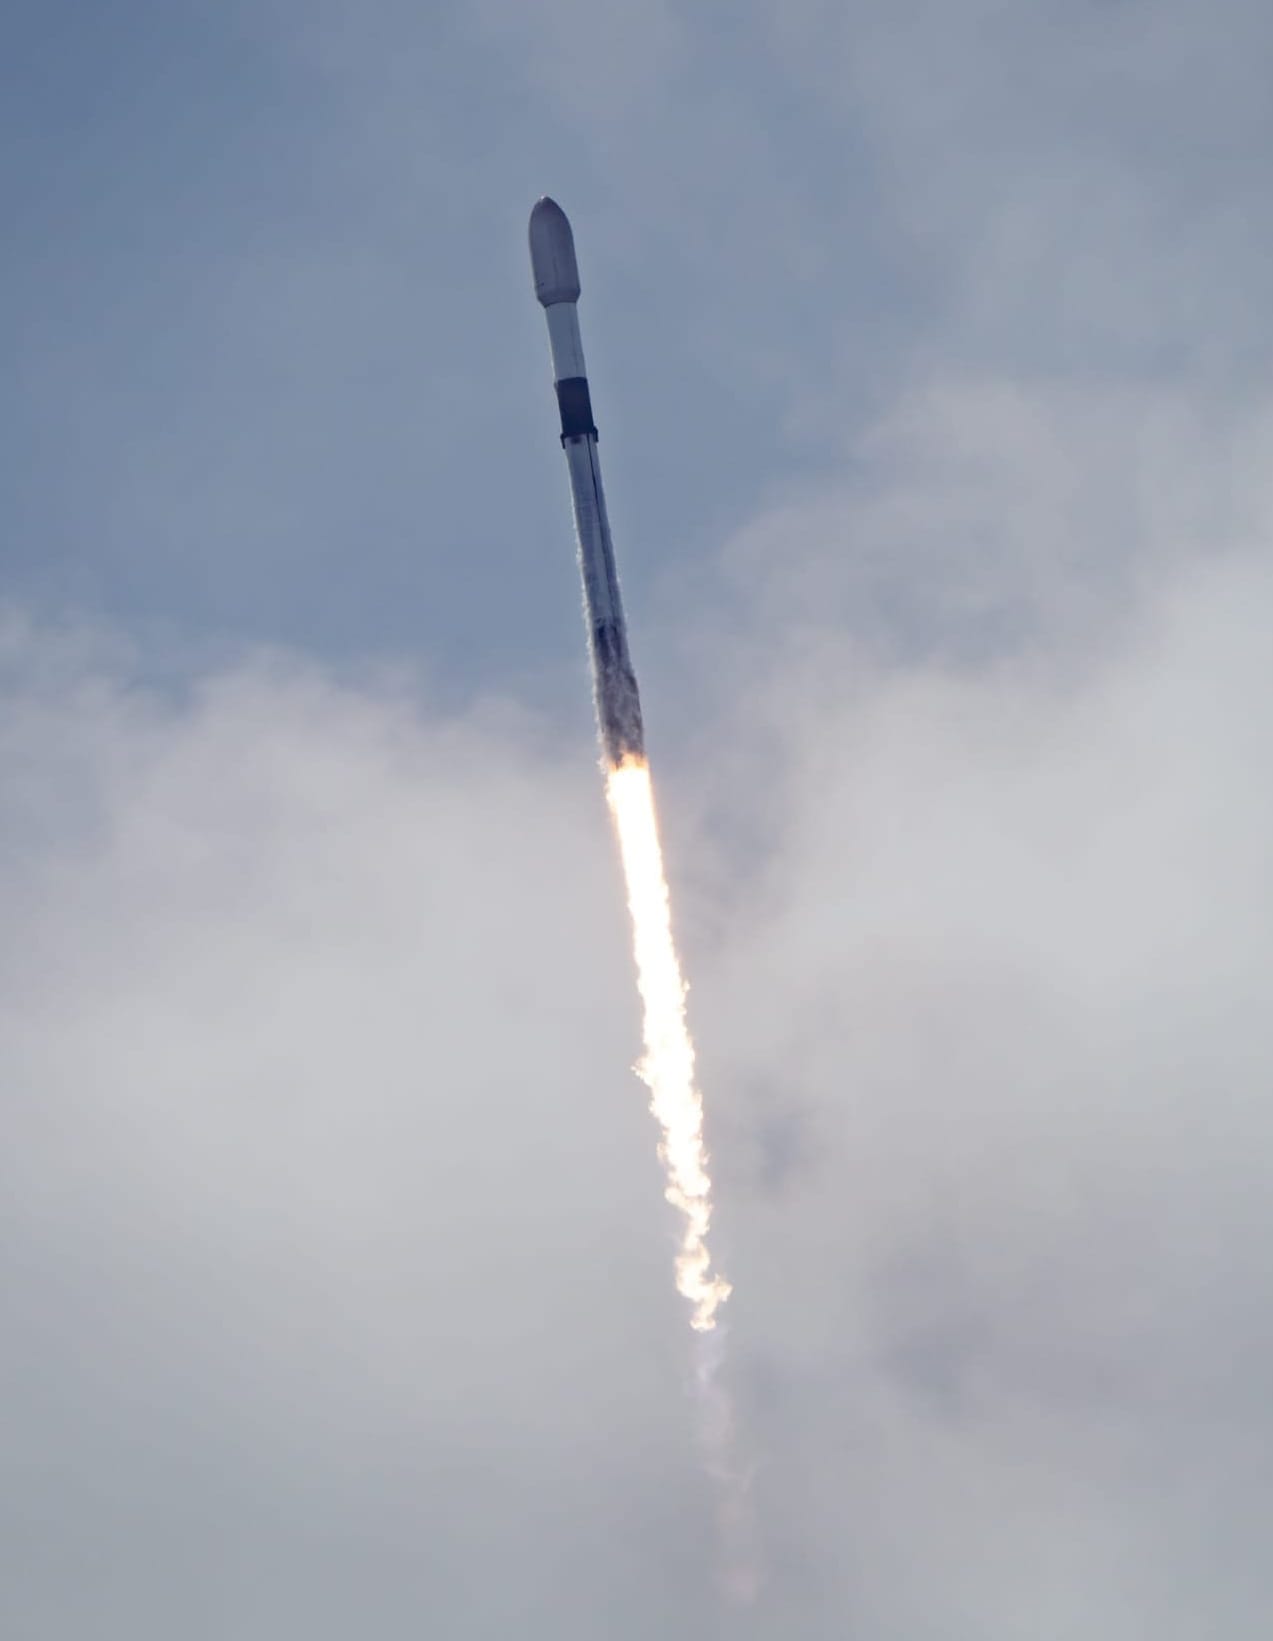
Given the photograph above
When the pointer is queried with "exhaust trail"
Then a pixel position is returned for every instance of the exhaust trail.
(667, 1062)
(667, 1065)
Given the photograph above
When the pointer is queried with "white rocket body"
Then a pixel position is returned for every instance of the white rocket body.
(556, 273)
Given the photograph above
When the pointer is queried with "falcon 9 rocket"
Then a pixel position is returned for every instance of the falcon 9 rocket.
(556, 273)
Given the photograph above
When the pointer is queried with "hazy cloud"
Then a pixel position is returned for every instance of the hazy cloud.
(338, 1269)
(335, 1264)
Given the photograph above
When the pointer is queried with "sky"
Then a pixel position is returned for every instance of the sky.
(929, 345)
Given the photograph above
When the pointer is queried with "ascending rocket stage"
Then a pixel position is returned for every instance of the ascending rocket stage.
(556, 272)
(667, 1066)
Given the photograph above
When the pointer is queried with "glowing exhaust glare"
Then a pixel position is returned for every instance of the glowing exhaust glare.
(667, 1065)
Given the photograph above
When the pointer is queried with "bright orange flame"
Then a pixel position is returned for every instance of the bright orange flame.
(667, 1066)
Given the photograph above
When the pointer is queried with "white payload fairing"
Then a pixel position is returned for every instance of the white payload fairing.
(556, 272)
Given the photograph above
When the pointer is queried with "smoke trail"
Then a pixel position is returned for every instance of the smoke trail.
(667, 1066)
(667, 1069)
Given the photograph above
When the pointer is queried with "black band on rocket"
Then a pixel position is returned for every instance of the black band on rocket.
(575, 404)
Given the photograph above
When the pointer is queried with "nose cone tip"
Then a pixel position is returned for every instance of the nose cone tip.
(552, 254)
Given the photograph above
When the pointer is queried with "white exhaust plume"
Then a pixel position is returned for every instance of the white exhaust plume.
(667, 1069)
(667, 1065)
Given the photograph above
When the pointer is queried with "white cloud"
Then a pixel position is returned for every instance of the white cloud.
(332, 1207)
(996, 1015)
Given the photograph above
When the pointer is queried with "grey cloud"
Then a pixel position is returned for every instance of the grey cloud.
(337, 1268)
(1005, 976)
(330, 1198)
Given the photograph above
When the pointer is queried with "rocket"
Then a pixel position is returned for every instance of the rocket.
(556, 274)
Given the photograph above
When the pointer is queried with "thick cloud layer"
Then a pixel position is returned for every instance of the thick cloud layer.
(337, 1276)
(996, 1019)
(337, 1271)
